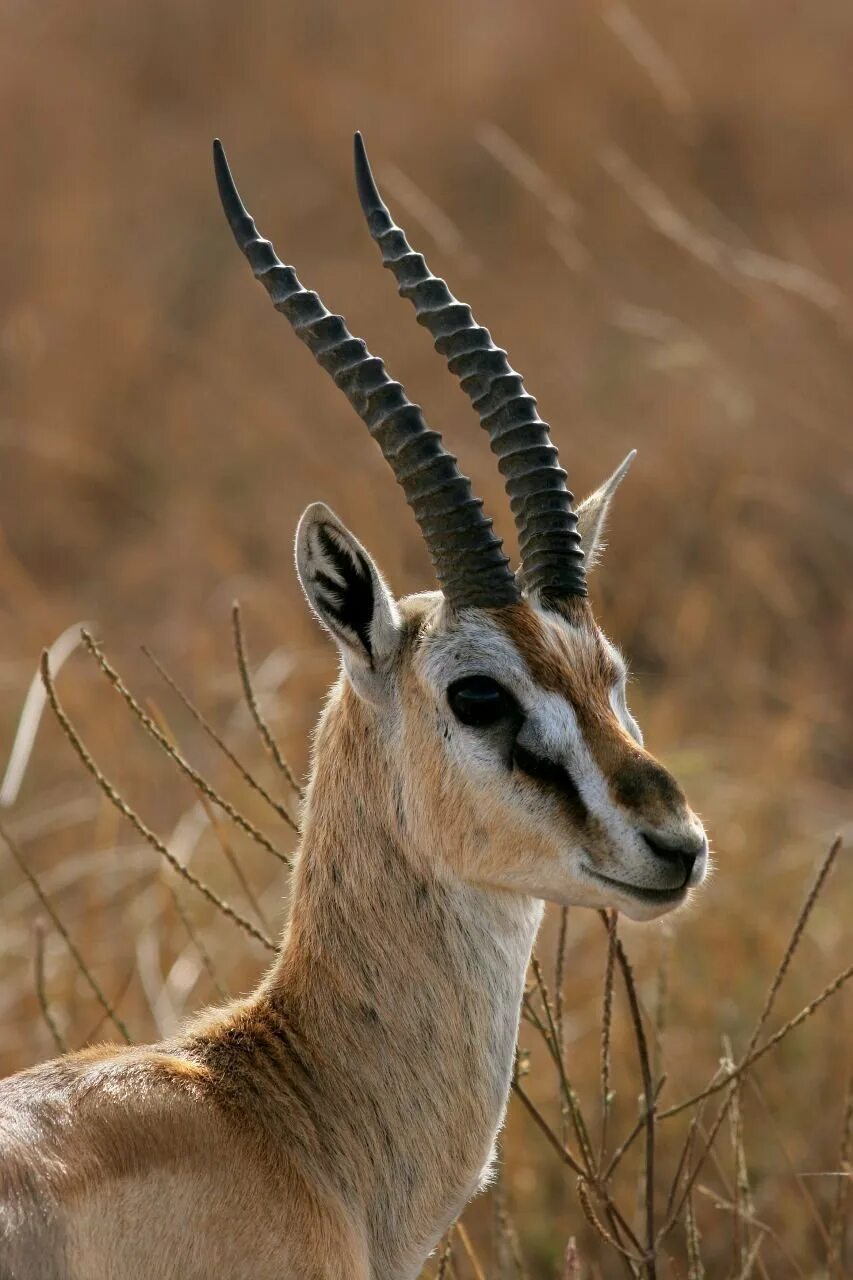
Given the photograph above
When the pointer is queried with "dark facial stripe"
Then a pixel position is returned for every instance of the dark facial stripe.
(555, 778)
(634, 777)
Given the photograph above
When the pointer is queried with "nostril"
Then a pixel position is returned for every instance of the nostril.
(688, 861)
(667, 851)
(673, 853)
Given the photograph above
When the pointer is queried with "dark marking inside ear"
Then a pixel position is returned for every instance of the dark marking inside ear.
(555, 777)
(350, 601)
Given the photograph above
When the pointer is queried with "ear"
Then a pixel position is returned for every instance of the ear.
(346, 591)
(592, 513)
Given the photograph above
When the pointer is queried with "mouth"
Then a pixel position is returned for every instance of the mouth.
(654, 897)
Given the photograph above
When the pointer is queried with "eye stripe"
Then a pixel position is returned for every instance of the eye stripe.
(555, 777)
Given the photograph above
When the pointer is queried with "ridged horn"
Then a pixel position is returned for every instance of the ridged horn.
(467, 555)
(551, 555)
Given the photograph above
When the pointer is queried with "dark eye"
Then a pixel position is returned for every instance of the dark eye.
(479, 701)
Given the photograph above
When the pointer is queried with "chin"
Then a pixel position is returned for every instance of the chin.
(649, 904)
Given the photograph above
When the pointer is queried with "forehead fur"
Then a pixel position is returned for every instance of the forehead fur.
(562, 653)
(565, 654)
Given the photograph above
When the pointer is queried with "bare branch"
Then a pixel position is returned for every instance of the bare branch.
(135, 820)
(41, 993)
(252, 702)
(245, 774)
(160, 738)
(93, 985)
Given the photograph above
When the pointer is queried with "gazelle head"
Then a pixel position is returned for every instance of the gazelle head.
(497, 703)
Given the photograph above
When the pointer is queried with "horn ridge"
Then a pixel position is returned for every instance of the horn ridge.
(496, 390)
(468, 557)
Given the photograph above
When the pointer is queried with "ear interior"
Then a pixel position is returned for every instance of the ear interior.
(344, 587)
(592, 512)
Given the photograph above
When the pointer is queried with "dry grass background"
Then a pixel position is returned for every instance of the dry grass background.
(652, 208)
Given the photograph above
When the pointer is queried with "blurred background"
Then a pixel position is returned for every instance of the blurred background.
(651, 207)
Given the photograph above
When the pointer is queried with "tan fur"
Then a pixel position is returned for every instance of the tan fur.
(332, 1124)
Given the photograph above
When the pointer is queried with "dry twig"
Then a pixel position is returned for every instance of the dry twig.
(245, 774)
(134, 819)
(41, 993)
(91, 982)
(186, 768)
(648, 1093)
(606, 1023)
(252, 702)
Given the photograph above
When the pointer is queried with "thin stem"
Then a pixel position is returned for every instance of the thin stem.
(662, 994)
(216, 827)
(446, 1255)
(745, 1063)
(793, 943)
(784, 964)
(637, 1128)
(252, 702)
(606, 1026)
(569, 1094)
(204, 954)
(479, 1274)
(696, 1268)
(136, 822)
(559, 976)
(41, 992)
(21, 863)
(649, 1094)
(595, 1222)
(564, 1154)
(186, 768)
(223, 746)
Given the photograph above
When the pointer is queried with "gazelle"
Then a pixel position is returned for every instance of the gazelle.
(476, 756)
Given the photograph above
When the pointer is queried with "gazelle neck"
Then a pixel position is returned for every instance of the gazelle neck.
(410, 987)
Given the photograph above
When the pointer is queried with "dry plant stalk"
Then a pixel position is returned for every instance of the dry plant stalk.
(648, 1094)
(252, 702)
(446, 1256)
(639, 1256)
(216, 827)
(163, 742)
(559, 975)
(41, 992)
(606, 1022)
(571, 1261)
(752, 1054)
(695, 1266)
(569, 1095)
(134, 819)
(595, 1184)
(30, 875)
(208, 728)
(470, 1252)
(203, 953)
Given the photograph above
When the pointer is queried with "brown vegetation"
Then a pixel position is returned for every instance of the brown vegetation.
(653, 212)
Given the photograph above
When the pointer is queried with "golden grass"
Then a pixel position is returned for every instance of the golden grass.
(650, 206)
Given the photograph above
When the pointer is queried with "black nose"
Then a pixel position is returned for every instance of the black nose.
(684, 853)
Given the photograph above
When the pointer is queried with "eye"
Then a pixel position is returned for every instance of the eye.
(479, 701)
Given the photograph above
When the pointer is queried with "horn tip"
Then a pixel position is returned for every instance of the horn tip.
(220, 164)
(368, 192)
(228, 193)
